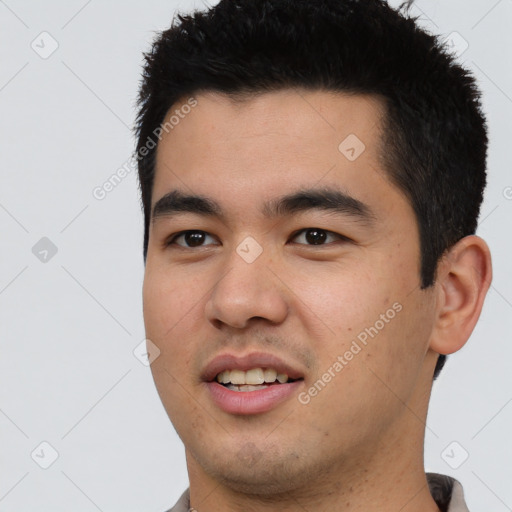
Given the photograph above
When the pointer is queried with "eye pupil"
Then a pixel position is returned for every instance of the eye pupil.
(194, 238)
(315, 236)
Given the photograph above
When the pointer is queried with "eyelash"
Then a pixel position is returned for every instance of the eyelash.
(172, 239)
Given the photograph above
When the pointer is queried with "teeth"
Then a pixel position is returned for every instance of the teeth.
(269, 375)
(245, 387)
(237, 377)
(253, 377)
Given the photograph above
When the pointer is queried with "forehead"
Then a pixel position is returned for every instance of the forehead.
(255, 147)
(303, 115)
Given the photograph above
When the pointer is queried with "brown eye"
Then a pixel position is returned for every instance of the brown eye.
(317, 236)
(190, 238)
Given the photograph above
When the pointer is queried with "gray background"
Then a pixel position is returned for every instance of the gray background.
(70, 321)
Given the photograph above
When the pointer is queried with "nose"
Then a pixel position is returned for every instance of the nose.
(247, 291)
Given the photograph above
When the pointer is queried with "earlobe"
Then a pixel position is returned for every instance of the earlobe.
(463, 279)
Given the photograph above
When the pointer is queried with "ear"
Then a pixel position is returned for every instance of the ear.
(463, 278)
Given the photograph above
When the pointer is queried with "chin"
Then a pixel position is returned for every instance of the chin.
(252, 472)
(266, 483)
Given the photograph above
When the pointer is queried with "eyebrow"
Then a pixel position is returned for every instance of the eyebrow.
(324, 199)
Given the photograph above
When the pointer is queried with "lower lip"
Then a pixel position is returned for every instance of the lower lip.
(251, 402)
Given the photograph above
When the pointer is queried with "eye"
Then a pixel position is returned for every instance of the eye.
(317, 236)
(190, 238)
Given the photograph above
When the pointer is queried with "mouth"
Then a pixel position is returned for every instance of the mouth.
(250, 384)
(252, 380)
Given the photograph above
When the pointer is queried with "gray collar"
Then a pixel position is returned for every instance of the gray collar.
(446, 491)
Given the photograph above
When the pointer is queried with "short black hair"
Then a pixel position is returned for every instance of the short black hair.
(434, 139)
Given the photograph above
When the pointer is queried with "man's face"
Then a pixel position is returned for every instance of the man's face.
(325, 291)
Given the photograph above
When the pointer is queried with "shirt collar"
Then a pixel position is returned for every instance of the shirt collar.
(446, 491)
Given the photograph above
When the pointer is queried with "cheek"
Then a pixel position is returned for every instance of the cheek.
(367, 314)
(346, 299)
(170, 302)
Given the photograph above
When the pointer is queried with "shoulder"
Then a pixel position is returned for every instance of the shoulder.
(447, 493)
(183, 504)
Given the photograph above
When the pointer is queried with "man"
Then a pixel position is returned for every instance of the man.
(311, 176)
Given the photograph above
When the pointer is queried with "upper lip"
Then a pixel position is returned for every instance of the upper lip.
(229, 361)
